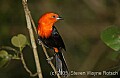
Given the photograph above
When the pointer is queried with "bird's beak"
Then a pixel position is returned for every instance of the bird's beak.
(59, 18)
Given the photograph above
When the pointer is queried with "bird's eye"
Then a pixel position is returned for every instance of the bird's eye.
(54, 16)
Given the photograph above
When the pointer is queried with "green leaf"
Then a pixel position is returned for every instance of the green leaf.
(4, 58)
(3, 53)
(113, 56)
(19, 41)
(111, 37)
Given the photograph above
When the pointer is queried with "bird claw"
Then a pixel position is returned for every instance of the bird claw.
(39, 41)
(49, 59)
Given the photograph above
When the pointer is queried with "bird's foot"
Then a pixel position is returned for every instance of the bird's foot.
(49, 59)
(39, 41)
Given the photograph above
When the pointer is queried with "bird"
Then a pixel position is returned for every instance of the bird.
(50, 37)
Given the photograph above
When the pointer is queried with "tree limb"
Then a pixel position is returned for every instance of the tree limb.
(44, 49)
(29, 26)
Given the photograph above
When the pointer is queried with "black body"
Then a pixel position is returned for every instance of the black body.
(55, 41)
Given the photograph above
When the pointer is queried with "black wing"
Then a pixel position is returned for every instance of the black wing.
(54, 40)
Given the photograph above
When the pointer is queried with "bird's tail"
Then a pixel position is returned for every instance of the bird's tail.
(61, 65)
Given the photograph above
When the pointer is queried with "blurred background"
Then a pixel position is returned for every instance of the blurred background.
(83, 22)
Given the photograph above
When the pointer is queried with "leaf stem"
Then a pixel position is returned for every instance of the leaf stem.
(25, 66)
(9, 48)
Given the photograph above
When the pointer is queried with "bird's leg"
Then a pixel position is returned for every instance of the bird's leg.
(50, 58)
(39, 41)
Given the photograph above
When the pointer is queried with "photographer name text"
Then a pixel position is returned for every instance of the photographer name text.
(91, 73)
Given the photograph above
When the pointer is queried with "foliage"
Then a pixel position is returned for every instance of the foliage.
(111, 37)
(19, 41)
(4, 58)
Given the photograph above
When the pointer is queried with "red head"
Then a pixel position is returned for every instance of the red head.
(46, 22)
(49, 18)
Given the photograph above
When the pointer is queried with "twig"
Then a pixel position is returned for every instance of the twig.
(19, 58)
(25, 66)
(29, 26)
(9, 48)
(33, 24)
(53, 67)
(44, 49)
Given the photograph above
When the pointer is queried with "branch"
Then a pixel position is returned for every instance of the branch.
(19, 58)
(44, 49)
(53, 67)
(29, 26)
(33, 24)
(25, 66)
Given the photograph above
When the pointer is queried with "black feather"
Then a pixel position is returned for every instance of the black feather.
(54, 40)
